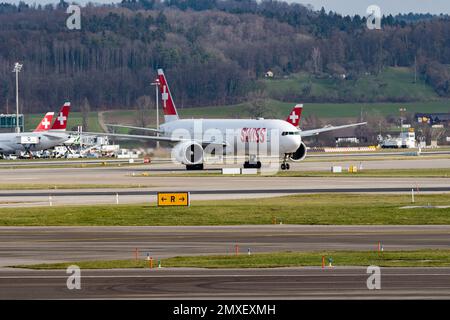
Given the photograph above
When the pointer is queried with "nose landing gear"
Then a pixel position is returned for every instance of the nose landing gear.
(285, 165)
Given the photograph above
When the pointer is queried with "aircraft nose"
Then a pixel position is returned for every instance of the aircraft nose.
(292, 143)
(295, 141)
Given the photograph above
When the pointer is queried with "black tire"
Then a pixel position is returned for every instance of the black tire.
(248, 165)
(288, 166)
(283, 166)
(194, 166)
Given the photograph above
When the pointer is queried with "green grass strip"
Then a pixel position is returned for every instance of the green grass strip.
(419, 258)
(314, 209)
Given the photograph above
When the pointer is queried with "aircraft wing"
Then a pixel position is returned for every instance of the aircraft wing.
(153, 138)
(55, 135)
(131, 127)
(313, 132)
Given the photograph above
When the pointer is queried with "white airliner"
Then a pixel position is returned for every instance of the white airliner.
(254, 138)
(43, 137)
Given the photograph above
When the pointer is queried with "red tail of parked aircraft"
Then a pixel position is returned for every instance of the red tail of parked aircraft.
(45, 123)
(61, 120)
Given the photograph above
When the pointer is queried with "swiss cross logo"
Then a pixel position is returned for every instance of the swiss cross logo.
(61, 119)
(45, 123)
(293, 116)
(165, 96)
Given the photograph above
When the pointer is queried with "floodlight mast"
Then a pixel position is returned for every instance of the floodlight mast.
(157, 84)
(17, 69)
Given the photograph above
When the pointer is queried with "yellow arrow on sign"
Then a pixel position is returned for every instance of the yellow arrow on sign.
(173, 199)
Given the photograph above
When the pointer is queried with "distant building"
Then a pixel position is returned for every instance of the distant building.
(269, 74)
(433, 118)
(340, 140)
(8, 122)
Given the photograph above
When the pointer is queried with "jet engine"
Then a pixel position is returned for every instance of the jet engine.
(188, 153)
(299, 154)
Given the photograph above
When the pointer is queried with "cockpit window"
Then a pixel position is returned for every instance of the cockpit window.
(290, 133)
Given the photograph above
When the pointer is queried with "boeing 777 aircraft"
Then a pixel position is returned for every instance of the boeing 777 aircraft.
(42, 138)
(255, 138)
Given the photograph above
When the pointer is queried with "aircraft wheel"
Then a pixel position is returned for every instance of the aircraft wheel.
(194, 166)
(288, 166)
(248, 165)
(283, 166)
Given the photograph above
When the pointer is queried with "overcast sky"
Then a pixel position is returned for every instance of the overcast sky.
(341, 6)
(387, 6)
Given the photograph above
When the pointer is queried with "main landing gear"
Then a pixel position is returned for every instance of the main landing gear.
(252, 165)
(198, 166)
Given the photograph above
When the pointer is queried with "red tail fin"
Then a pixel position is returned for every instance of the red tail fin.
(45, 123)
(170, 111)
(62, 117)
(295, 115)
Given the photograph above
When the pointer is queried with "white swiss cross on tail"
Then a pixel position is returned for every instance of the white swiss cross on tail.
(61, 118)
(45, 123)
(165, 96)
(295, 115)
(61, 121)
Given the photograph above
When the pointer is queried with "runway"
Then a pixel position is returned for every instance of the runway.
(28, 245)
(32, 245)
(280, 283)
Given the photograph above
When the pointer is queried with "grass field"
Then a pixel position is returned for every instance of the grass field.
(420, 258)
(318, 209)
(391, 84)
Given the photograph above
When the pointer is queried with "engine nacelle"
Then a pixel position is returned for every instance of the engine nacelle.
(189, 153)
(299, 154)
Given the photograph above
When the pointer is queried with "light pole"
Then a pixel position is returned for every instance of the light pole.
(402, 111)
(17, 68)
(156, 84)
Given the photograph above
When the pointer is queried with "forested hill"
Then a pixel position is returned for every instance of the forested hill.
(213, 51)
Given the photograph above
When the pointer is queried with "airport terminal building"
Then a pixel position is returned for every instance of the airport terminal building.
(433, 118)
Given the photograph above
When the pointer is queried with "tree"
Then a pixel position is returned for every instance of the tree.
(85, 110)
(315, 55)
(258, 105)
(143, 105)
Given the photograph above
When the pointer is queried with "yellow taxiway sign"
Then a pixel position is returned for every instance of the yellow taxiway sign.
(173, 199)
